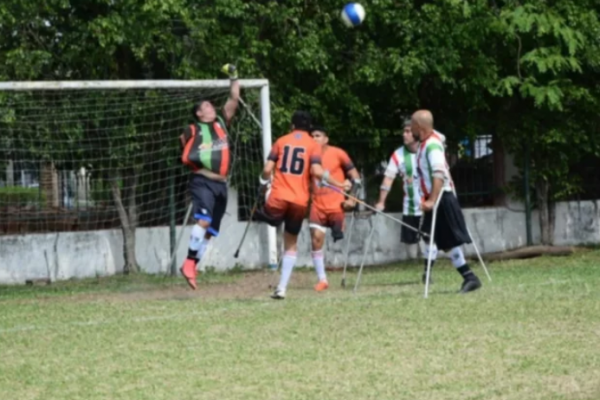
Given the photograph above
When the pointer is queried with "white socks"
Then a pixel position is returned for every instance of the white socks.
(287, 265)
(317, 257)
(457, 257)
(197, 237)
(427, 250)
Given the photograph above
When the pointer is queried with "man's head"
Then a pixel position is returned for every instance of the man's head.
(407, 135)
(320, 135)
(302, 121)
(204, 111)
(421, 124)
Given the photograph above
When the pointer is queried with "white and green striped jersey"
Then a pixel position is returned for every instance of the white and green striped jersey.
(432, 158)
(403, 163)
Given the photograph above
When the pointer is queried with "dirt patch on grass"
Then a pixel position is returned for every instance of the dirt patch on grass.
(249, 285)
(244, 286)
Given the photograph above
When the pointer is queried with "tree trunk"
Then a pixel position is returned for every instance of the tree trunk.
(551, 220)
(541, 188)
(49, 184)
(128, 217)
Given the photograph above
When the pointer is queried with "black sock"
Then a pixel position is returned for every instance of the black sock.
(192, 255)
(425, 265)
(466, 272)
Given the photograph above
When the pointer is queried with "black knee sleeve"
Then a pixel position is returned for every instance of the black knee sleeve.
(337, 235)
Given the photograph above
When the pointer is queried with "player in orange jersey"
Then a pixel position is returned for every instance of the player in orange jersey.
(328, 206)
(294, 159)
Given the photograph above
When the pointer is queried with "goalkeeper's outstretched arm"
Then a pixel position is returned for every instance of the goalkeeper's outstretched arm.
(234, 92)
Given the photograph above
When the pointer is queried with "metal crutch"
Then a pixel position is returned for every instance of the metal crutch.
(348, 249)
(362, 264)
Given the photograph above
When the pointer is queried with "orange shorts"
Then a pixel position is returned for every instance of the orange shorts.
(291, 214)
(321, 220)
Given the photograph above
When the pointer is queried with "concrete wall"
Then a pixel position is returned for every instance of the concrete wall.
(87, 254)
(68, 255)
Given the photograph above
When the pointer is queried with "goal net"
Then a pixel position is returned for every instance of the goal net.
(84, 156)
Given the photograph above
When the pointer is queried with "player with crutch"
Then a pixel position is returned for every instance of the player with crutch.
(448, 229)
(404, 163)
(327, 209)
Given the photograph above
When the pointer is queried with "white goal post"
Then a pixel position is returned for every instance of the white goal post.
(123, 85)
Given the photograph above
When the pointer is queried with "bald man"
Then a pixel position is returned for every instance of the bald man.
(434, 176)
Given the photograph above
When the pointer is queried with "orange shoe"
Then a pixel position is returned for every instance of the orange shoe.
(188, 270)
(322, 285)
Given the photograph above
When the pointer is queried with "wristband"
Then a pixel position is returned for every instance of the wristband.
(385, 187)
(263, 181)
(325, 177)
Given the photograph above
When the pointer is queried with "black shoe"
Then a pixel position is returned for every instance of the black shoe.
(470, 285)
(424, 277)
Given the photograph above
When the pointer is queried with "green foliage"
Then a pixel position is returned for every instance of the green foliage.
(20, 197)
(525, 72)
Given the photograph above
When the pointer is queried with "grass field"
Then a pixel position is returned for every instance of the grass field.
(533, 333)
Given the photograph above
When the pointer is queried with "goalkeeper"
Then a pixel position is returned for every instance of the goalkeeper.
(206, 152)
(328, 206)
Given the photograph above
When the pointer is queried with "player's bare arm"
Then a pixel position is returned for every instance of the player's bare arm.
(268, 170)
(231, 105)
(435, 192)
(384, 190)
(355, 185)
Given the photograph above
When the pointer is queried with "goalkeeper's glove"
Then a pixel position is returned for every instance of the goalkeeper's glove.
(230, 70)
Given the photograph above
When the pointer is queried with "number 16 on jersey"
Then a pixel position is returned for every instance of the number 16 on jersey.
(293, 160)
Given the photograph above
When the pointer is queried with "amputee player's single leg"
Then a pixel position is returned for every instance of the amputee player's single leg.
(320, 220)
(411, 237)
(318, 229)
(205, 195)
(293, 215)
(450, 234)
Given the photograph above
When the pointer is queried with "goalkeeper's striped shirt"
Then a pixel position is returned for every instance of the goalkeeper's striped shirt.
(207, 147)
(432, 158)
(403, 162)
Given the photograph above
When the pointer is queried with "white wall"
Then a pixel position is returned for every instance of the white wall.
(87, 254)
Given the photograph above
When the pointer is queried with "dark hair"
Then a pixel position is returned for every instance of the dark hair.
(302, 120)
(197, 106)
(319, 128)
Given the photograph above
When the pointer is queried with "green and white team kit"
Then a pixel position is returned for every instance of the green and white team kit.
(403, 163)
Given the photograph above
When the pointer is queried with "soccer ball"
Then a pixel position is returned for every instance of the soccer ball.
(353, 15)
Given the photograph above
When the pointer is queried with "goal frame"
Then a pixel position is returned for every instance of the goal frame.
(265, 110)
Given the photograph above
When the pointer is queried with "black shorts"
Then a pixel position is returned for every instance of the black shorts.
(450, 227)
(209, 199)
(407, 235)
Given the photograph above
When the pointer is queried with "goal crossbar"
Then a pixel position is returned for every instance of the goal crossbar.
(129, 84)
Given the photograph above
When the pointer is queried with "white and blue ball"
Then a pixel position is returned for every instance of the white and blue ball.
(353, 15)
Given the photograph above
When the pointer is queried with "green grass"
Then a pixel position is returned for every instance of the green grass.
(533, 333)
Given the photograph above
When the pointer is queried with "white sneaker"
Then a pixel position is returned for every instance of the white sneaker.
(278, 294)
